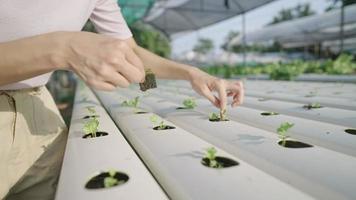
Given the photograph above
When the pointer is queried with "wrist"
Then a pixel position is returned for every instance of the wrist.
(193, 72)
(58, 50)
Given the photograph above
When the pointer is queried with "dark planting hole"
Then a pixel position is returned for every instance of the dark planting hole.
(351, 131)
(269, 113)
(310, 95)
(218, 120)
(311, 106)
(98, 134)
(223, 162)
(165, 127)
(90, 116)
(98, 181)
(182, 108)
(294, 144)
(140, 112)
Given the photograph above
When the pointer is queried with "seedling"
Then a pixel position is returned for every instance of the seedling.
(211, 156)
(188, 104)
(107, 179)
(159, 125)
(282, 131)
(150, 81)
(131, 103)
(312, 106)
(91, 127)
(111, 180)
(214, 117)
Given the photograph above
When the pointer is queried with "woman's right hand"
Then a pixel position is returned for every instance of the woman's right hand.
(102, 62)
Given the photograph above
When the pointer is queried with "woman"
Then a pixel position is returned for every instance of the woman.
(39, 37)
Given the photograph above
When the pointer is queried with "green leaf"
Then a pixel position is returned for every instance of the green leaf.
(154, 119)
(189, 103)
(110, 181)
(131, 103)
(283, 128)
(112, 172)
(91, 127)
(214, 116)
(211, 153)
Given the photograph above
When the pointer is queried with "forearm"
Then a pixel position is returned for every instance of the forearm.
(164, 68)
(29, 57)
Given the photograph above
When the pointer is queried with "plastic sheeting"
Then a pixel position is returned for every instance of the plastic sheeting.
(307, 30)
(173, 16)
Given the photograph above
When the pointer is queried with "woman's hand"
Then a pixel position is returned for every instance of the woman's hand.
(103, 62)
(205, 84)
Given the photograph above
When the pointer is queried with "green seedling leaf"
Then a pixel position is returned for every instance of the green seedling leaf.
(131, 103)
(282, 131)
(189, 103)
(91, 126)
(214, 116)
(312, 106)
(110, 181)
(154, 119)
(112, 172)
(211, 155)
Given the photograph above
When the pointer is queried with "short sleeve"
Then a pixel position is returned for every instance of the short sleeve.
(108, 20)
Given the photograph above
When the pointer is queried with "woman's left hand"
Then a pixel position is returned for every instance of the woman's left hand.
(205, 84)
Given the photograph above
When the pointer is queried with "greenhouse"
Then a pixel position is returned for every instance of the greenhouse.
(178, 99)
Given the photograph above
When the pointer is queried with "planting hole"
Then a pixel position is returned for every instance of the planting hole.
(107, 180)
(218, 120)
(269, 113)
(312, 106)
(294, 144)
(182, 108)
(140, 112)
(222, 162)
(90, 116)
(98, 134)
(263, 99)
(351, 131)
(165, 127)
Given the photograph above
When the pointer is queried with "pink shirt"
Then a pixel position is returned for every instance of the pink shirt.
(22, 18)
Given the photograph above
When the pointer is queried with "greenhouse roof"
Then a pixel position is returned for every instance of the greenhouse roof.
(173, 16)
(307, 30)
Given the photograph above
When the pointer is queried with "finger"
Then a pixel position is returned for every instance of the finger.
(107, 74)
(101, 85)
(206, 92)
(236, 90)
(130, 72)
(134, 60)
(221, 89)
(239, 99)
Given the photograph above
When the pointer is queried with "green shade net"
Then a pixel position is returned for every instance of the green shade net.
(134, 10)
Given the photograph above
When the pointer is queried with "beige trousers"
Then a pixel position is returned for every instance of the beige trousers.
(32, 141)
